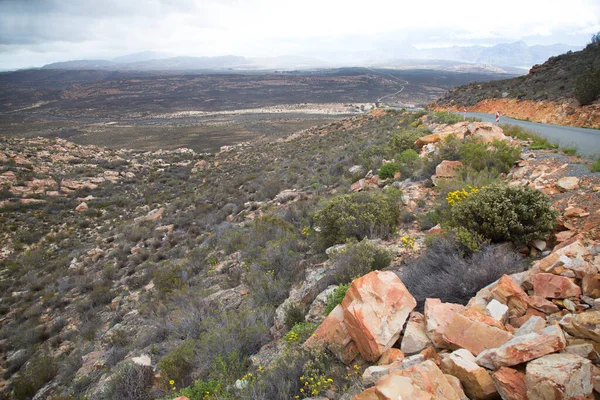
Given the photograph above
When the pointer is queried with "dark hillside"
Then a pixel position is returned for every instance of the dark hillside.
(554, 80)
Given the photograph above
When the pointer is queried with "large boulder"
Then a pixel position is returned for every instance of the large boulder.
(486, 131)
(559, 377)
(438, 316)
(474, 336)
(428, 377)
(524, 348)
(375, 309)
(552, 286)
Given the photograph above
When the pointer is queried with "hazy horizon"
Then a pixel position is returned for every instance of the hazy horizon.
(38, 32)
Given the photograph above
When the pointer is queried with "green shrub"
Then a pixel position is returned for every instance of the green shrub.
(408, 161)
(294, 314)
(479, 156)
(177, 364)
(506, 213)
(595, 166)
(388, 170)
(300, 332)
(202, 389)
(357, 215)
(358, 259)
(38, 372)
(468, 241)
(571, 151)
(335, 298)
(404, 140)
(587, 87)
(539, 142)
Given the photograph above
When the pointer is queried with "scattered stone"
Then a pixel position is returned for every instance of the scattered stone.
(391, 356)
(82, 207)
(534, 324)
(428, 377)
(568, 183)
(587, 324)
(415, 334)
(476, 381)
(497, 310)
(393, 387)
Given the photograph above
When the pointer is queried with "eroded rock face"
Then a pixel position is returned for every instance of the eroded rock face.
(559, 377)
(375, 309)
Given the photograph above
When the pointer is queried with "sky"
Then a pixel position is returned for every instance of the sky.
(38, 32)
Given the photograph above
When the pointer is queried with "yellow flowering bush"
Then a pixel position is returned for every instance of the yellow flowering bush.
(408, 242)
(313, 385)
(457, 196)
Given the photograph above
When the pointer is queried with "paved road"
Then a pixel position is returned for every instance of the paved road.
(587, 141)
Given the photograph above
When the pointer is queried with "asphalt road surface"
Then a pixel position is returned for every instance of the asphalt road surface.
(586, 141)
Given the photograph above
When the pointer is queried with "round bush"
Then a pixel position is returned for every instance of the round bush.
(357, 215)
(506, 213)
(388, 170)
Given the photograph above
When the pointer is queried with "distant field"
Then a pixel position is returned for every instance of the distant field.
(150, 110)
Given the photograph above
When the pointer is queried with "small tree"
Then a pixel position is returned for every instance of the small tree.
(587, 87)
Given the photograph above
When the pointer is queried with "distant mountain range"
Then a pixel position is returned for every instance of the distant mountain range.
(505, 56)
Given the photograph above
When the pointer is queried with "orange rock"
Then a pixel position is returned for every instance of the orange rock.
(457, 386)
(541, 304)
(393, 387)
(415, 336)
(476, 381)
(448, 169)
(563, 236)
(587, 324)
(430, 354)
(554, 286)
(510, 384)
(333, 333)
(591, 285)
(376, 307)
(390, 356)
(438, 316)
(524, 348)
(508, 292)
(475, 315)
(429, 378)
(474, 336)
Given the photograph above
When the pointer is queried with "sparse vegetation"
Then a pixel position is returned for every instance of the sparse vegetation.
(444, 271)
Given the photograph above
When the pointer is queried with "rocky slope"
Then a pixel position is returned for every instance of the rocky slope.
(545, 94)
(124, 271)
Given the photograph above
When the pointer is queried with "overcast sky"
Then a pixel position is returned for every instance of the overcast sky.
(37, 32)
